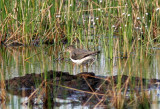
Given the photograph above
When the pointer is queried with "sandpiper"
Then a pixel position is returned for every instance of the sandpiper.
(81, 56)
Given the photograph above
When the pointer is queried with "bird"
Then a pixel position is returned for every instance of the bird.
(81, 56)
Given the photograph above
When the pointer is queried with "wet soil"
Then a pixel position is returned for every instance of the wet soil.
(81, 86)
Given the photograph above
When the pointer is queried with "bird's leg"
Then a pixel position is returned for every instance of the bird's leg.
(81, 68)
(73, 67)
(87, 67)
(92, 62)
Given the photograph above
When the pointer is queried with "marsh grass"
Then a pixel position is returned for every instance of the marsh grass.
(120, 28)
(3, 94)
(118, 92)
(25, 22)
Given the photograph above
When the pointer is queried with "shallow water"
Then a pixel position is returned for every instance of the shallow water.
(19, 61)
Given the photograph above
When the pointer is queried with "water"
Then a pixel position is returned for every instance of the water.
(20, 61)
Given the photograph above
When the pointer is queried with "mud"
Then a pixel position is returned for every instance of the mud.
(81, 86)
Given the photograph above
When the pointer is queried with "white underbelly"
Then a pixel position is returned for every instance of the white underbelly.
(81, 61)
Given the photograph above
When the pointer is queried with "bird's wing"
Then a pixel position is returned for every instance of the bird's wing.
(79, 54)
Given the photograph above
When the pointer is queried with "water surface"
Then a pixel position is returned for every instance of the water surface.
(19, 61)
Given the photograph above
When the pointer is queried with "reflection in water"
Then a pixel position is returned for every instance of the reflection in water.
(23, 60)
(18, 61)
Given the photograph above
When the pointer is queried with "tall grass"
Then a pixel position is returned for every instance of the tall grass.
(120, 28)
(24, 21)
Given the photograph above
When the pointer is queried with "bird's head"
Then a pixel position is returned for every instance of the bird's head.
(70, 48)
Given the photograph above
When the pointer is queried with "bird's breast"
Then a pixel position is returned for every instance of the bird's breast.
(83, 60)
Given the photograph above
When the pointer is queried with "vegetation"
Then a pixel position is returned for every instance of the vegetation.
(120, 28)
(27, 21)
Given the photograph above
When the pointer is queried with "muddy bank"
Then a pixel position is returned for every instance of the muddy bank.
(78, 81)
(80, 87)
